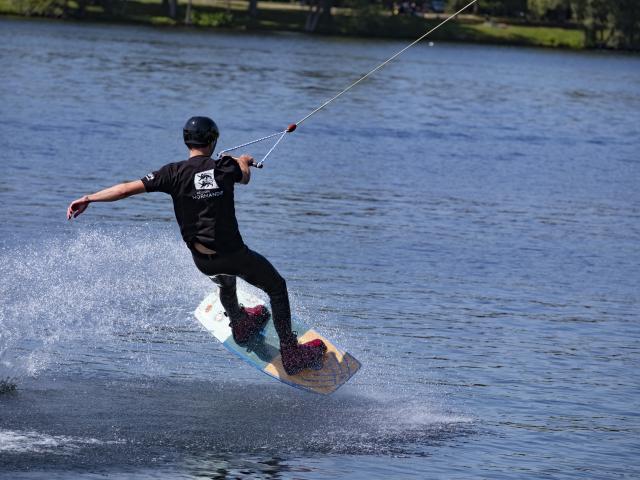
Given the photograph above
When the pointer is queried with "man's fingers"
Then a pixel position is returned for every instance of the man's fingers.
(75, 208)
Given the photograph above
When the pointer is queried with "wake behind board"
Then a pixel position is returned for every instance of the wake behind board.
(263, 352)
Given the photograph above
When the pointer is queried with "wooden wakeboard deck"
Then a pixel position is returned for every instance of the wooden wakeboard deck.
(263, 352)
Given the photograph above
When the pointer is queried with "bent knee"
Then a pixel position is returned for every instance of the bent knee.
(278, 287)
(224, 281)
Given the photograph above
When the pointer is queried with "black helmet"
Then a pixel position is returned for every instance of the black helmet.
(200, 132)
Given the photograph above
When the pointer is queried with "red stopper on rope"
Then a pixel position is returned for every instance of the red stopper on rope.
(291, 127)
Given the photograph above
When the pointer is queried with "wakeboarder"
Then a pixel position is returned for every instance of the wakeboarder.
(202, 189)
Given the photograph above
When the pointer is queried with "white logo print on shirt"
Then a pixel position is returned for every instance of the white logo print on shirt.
(205, 181)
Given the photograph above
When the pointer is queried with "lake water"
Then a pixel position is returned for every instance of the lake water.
(466, 223)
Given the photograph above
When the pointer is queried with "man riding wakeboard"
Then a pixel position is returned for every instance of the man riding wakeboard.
(202, 189)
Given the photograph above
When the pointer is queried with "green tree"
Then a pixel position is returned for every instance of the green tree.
(253, 8)
(626, 15)
(609, 23)
(539, 8)
(171, 7)
(596, 19)
(500, 8)
(46, 8)
(319, 13)
(66, 8)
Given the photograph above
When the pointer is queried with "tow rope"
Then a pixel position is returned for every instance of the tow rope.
(291, 128)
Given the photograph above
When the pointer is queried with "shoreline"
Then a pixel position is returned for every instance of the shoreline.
(209, 15)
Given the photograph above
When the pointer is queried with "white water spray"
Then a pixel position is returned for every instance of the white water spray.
(89, 288)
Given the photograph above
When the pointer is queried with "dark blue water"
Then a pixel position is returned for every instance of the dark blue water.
(466, 223)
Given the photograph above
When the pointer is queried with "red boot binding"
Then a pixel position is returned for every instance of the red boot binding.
(252, 321)
(296, 357)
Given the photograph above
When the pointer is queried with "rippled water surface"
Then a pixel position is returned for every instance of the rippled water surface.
(466, 223)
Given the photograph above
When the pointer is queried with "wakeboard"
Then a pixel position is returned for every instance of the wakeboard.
(263, 351)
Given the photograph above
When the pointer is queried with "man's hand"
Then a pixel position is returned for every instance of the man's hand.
(245, 162)
(77, 207)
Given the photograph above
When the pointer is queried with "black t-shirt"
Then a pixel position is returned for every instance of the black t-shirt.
(202, 193)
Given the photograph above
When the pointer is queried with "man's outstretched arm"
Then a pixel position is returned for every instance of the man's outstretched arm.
(111, 194)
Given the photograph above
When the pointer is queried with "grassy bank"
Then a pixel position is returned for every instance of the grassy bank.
(292, 17)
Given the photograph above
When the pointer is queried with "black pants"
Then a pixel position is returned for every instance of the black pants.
(253, 268)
